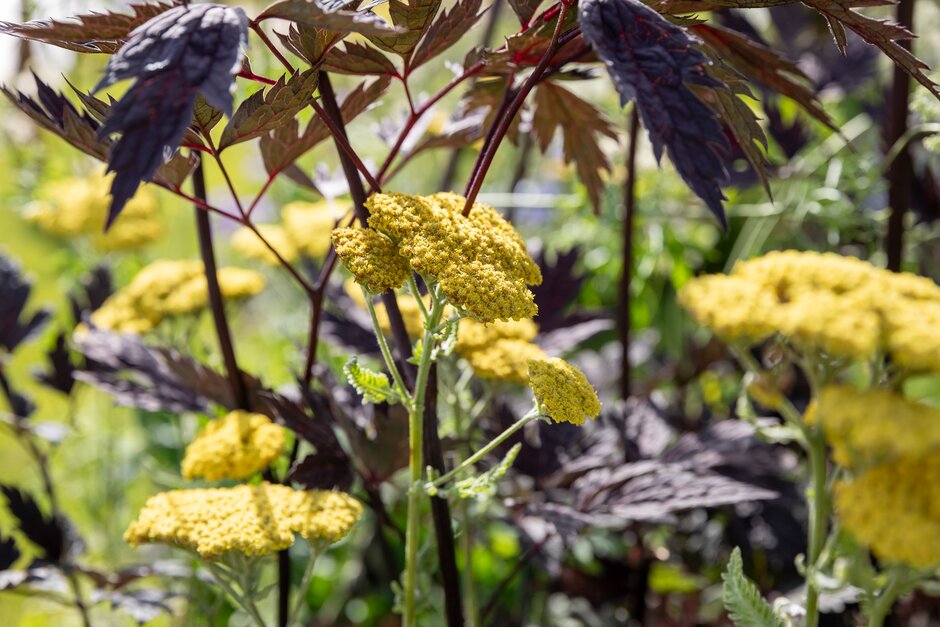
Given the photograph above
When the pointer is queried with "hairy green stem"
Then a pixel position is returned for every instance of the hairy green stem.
(416, 461)
(294, 616)
(243, 601)
(819, 513)
(400, 386)
(486, 450)
(882, 605)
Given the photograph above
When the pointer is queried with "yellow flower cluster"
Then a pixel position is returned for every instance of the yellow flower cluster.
(246, 242)
(167, 288)
(894, 508)
(480, 261)
(499, 350)
(251, 519)
(305, 228)
(563, 391)
(233, 447)
(372, 258)
(871, 427)
(74, 207)
(844, 306)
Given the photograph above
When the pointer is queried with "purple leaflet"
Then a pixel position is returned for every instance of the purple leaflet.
(650, 61)
(174, 56)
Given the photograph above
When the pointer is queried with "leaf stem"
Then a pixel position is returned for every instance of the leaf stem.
(400, 386)
(486, 450)
(339, 136)
(486, 157)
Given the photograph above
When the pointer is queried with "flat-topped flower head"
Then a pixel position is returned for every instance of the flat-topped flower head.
(866, 428)
(247, 242)
(372, 259)
(235, 446)
(254, 520)
(839, 305)
(563, 391)
(167, 288)
(480, 261)
(894, 508)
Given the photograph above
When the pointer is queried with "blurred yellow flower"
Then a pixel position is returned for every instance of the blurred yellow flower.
(499, 350)
(74, 207)
(246, 242)
(166, 288)
(563, 391)
(309, 225)
(843, 306)
(251, 519)
(894, 508)
(235, 446)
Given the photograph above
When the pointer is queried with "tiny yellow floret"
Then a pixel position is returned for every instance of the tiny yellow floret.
(500, 350)
(235, 446)
(254, 520)
(563, 391)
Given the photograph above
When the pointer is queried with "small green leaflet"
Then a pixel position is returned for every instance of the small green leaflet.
(484, 485)
(373, 386)
(745, 605)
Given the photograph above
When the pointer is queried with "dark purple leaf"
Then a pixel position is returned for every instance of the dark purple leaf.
(52, 534)
(334, 15)
(61, 372)
(651, 61)
(327, 469)
(174, 56)
(15, 327)
(8, 553)
(92, 32)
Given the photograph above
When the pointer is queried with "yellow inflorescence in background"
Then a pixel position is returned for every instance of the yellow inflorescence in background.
(74, 207)
(563, 391)
(894, 508)
(235, 446)
(480, 261)
(499, 350)
(167, 288)
(841, 305)
(305, 228)
(866, 428)
(251, 519)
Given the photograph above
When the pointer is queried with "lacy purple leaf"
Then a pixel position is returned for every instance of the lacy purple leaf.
(173, 57)
(651, 61)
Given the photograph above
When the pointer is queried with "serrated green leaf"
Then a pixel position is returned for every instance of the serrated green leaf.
(373, 386)
(484, 484)
(742, 599)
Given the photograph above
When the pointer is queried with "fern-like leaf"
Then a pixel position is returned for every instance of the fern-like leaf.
(741, 597)
(373, 386)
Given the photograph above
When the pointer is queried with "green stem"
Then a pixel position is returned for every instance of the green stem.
(819, 512)
(400, 386)
(882, 605)
(413, 286)
(486, 450)
(294, 615)
(240, 600)
(416, 461)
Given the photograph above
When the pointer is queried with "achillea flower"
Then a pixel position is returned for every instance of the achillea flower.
(563, 391)
(233, 447)
(894, 508)
(871, 427)
(480, 261)
(372, 258)
(166, 288)
(309, 225)
(499, 350)
(76, 207)
(254, 520)
(246, 242)
(505, 360)
(840, 305)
